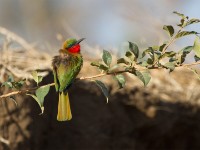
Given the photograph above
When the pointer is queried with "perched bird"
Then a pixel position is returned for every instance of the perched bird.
(66, 67)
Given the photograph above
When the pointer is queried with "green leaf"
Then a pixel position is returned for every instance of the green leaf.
(168, 54)
(97, 64)
(150, 61)
(172, 59)
(170, 66)
(169, 29)
(130, 55)
(7, 84)
(103, 67)
(144, 76)
(161, 47)
(149, 51)
(183, 23)
(196, 46)
(107, 58)
(40, 79)
(11, 78)
(36, 77)
(122, 60)
(36, 99)
(187, 49)
(183, 53)
(196, 58)
(155, 47)
(157, 55)
(134, 48)
(33, 96)
(103, 88)
(192, 21)
(184, 19)
(185, 33)
(179, 14)
(121, 80)
(19, 84)
(40, 95)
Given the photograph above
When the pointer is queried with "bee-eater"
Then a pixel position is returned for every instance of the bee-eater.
(66, 67)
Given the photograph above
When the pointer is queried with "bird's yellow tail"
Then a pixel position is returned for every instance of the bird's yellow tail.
(64, 111)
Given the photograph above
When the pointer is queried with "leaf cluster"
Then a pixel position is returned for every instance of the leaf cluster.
(41, 92)
(11, 83)
(139, 63)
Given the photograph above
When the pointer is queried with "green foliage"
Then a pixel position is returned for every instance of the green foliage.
(37, 78)
(196, 58)
(107, 58)
(154, 57)
(181, 55)
(39, 96)
(185, 21)
(134, 49)
(121, 80)
(105, 65)
(170, 66)
(197, 46)
(122, 61)
(10, 83)
(192, 21)
(144, 76)
(184, 33)
(103, 88)
(169, 29)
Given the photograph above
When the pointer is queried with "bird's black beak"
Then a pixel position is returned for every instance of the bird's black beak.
(79, 41)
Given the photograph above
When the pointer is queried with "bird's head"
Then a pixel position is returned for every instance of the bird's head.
(72, 45)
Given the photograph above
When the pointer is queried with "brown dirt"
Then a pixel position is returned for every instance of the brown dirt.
(134, 118)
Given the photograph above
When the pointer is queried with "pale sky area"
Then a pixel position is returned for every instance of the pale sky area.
(106, 23)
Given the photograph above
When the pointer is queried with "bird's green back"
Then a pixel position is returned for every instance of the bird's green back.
(66, 71)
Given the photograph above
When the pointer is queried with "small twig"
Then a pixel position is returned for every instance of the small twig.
(52, 84)
(96, 76)
(172, 39)
(3, 140)
(24, 91)
(103, 74)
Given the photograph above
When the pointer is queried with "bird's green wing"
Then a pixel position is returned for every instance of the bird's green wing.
(55, 79)
(67, 72)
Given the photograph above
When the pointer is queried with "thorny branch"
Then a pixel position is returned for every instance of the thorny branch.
(86, 78)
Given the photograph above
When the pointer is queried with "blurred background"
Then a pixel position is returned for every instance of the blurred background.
(106, 23)
(163, 115)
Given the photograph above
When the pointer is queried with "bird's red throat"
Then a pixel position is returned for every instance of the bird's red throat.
(74, 49)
